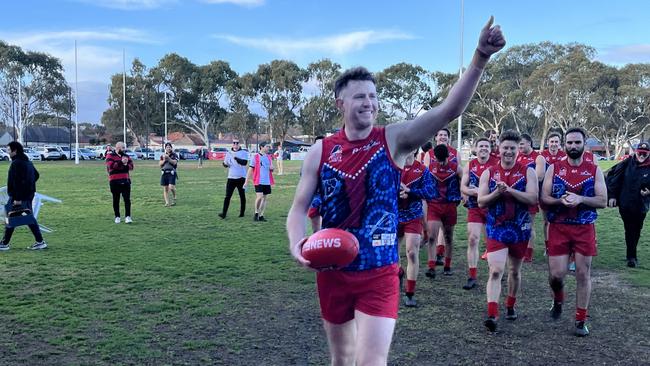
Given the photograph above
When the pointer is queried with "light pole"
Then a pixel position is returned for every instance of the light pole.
(165, 141)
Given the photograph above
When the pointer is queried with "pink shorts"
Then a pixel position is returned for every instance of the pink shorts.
(477, 215)
(374, 292)
(443, 212)
(413, 227)
(565, 239)
(517, 250)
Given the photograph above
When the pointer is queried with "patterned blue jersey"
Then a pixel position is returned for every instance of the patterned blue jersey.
(418, 179)
(579, 180)
(359, 185)
(508, 220)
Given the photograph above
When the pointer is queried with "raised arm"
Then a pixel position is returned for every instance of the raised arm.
(302, 198)
(405, 137)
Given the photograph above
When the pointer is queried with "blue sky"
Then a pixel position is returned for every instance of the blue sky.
(246, 33)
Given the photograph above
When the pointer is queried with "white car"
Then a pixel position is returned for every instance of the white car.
(32, 155)
(87, 154)
(48, 153)
(4, 155)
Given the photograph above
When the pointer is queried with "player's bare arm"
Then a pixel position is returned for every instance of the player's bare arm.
(529, 196)
(464, 183)
(540, 165)
(547, 188)
(407, 136)
(485, 198)
(304, 193)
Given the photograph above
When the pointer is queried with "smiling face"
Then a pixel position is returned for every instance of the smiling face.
(483, 150)
(442, 137)
(358, 103)
(508, 151)
(554, 144)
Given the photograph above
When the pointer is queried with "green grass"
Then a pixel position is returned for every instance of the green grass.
(150, 292)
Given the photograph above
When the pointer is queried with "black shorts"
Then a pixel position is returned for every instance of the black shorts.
(167, 179)
(263, 188)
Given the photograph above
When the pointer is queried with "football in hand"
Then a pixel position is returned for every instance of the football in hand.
(330, 248)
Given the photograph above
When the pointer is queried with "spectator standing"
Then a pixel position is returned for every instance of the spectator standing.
(236, 161)
(119, 164)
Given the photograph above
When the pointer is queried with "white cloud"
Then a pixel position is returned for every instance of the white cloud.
(247, 3)
(338, 44)
(626, 54)
(128, 4)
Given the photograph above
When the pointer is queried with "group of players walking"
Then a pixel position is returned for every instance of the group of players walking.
(503, 188)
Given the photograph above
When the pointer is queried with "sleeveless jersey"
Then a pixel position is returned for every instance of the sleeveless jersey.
(588, 156)
(528, 160)
(446, 185)
(579, 180)
(359, 187)
(453, 154)
(508, 221)
(418, 179)
(476, 169)
(552, 159)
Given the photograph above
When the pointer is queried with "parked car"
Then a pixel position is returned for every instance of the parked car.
(217, 153)
(48, 153)
(100, 151)
(599, 157)
(131, 154)
(87, 154)
(4, 155)
(144, 153)
(32, 155)
(185, 154)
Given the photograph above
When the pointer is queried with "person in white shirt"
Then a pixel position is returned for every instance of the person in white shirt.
(236, 161)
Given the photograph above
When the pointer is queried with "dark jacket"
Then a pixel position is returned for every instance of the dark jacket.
(22, 177)
(624, 183)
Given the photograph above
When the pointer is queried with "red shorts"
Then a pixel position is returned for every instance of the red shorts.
(477, 215)
(374, 292)
(443, 212)
(565, 239)
(413, 227)
(533, 209)
(313, 212)
(517, 250)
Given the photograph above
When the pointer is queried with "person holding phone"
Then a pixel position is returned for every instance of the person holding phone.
(168, 163)
(119, 164)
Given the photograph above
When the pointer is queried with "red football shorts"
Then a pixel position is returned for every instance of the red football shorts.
(413, 227)
(313, 212)
(533, 209)
(443, 212)
(517, 250)
(564, 239)
(477, 215)
(374, 292)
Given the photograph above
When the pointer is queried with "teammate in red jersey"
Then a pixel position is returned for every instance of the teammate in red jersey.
(442, 138)
(441, 210)
(552, 154)
(507, 190)
(357, 171)
(416, 185)
(528, 157)
(476, 217)
(573, 189)
(493, 137)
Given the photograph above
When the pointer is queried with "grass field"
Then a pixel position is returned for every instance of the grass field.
(181, 286)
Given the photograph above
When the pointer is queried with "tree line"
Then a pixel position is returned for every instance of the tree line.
(531, 88)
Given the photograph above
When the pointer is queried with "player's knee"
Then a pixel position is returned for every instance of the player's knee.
(496, 272)
(557, 284)
(473, 240)
(412, 254)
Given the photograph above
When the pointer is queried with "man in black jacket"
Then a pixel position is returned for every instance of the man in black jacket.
(628, 185)
(21, 187)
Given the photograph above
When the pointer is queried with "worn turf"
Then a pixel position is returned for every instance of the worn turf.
(180, 286)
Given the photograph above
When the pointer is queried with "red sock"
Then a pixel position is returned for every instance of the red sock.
(447, 262)
(558, 296)
(472, 272)
(581, 315)
(410, 286)
(510, 301)
(440, 250)
(493, 309)
(432, 264)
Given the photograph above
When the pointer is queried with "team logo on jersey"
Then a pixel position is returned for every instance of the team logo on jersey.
(366, 147)
(562, 172)
(585, 173)
(336, 155)
(475, 169)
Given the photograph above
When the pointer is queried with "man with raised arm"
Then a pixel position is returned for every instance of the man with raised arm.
(357, 172)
